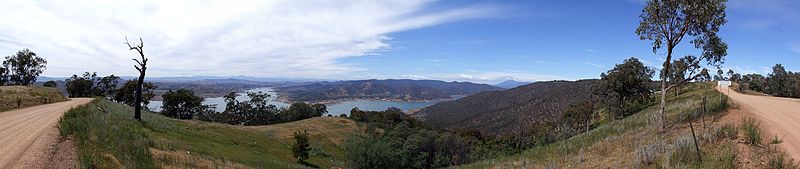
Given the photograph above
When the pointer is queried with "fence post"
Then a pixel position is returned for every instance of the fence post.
(696, 146)
(704, 111)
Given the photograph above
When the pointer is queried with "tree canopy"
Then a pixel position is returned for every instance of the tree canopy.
(182, 104)
(626, 83)
(22, 68)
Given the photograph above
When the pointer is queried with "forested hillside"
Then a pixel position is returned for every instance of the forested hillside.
(392, 89)
(501, 112)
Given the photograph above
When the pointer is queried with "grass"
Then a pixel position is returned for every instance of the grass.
(616, 144)
(751, 130)
(13, 97)
(107, 137)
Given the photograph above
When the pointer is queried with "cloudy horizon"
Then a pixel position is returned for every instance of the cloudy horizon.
(346, 40)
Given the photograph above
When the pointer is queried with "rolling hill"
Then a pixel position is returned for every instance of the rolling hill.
(107, 136)
(26, 96)
(500, 112)
(391, 89)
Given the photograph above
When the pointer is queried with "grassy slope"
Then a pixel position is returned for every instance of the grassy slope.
(107, 136)
(28, 96)
(616, 144)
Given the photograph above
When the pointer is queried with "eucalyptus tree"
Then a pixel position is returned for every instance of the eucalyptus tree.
(23, 67)
(667, 22)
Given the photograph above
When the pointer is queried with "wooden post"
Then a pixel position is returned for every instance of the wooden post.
(704, 112)
(696, 146)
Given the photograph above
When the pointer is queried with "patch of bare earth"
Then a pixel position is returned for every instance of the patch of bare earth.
(50, 151)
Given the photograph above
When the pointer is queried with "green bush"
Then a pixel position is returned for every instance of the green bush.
(751, 131)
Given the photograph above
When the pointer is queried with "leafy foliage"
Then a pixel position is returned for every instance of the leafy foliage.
(182, 104)
(779, 83)
(22, 68)
(626, 84)
(301, 147)
(126, 93)
(256, 111)
(50, 83)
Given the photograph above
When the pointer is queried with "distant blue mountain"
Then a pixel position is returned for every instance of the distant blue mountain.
(508, 84)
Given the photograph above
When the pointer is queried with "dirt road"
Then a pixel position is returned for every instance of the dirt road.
(26, 134)
(779, 116)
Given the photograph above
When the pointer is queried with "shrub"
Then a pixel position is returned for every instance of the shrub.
(728, 131)
(301, 147)
(684, 150)
(751, 131)
(647, 155)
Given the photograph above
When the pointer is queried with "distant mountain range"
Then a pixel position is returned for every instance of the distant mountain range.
(200, 78)
(511, 84)
(390, 89)
(501, 112)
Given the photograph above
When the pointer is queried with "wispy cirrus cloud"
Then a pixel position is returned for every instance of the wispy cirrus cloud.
(280, 38)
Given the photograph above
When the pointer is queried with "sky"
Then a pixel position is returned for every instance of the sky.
(451, 40)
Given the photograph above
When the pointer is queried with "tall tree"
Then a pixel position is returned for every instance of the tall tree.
(24, 67)
(142, 68)
(667, 22)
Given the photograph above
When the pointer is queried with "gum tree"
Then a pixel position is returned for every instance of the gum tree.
(667, 22)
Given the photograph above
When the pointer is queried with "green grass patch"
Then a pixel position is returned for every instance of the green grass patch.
(107, 136)
(751, 130)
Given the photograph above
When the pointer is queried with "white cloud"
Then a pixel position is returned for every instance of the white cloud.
(216, 37)
(491, 77)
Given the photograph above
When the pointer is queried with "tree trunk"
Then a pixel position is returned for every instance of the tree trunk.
(137, 114)
(663, 103)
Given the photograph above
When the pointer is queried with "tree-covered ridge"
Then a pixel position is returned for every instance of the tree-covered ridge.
(392, 89)
(503, 112)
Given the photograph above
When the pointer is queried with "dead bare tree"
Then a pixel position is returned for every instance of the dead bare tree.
(142, 68)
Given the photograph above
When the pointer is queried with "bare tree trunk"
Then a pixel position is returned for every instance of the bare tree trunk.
(139, 85)
(142, 68)
(663, 103)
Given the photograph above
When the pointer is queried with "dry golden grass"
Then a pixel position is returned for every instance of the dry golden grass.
(13, 97)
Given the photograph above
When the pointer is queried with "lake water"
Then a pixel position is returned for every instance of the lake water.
(333, 109)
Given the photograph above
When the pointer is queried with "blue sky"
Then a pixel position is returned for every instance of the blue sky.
(450, 40)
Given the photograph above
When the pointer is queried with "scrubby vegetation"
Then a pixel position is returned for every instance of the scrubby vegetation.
(106, 137)
(256, 111)
(635, 140)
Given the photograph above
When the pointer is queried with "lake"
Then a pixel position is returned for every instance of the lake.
(333, 109)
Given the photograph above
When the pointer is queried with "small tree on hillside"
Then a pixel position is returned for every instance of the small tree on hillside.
(626, 83)
(24, 67)
(301, 146)
(667, 22)
(142, 68)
